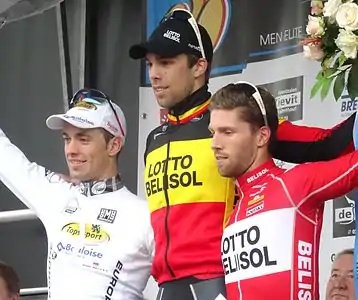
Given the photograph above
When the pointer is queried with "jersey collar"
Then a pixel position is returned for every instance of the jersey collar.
(92, 188)
(253, 177)
(191, 107)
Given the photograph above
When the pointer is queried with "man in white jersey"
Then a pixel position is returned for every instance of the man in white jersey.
(99, 233)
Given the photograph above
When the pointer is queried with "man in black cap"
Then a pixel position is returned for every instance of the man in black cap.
(188, 199)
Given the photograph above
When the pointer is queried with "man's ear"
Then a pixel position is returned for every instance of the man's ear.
(263, 137)
(114, 146)
(200, 67)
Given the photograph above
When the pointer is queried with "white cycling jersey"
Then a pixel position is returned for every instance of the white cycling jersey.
(99, 234)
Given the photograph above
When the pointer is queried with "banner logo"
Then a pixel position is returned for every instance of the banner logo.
(348, 106)
(288, 95)
(343, 216)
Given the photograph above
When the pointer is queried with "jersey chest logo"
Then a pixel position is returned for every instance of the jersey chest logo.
(259, 245)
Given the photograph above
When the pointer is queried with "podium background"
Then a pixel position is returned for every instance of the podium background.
(254, 41)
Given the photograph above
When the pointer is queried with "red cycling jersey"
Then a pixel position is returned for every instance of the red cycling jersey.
(270, 244)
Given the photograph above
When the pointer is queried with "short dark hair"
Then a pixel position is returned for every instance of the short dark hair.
(349, 251)
(10, 277)
(107, 135)
(240, 95)
(193, 59)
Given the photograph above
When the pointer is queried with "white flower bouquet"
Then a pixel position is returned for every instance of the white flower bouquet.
(332, 39)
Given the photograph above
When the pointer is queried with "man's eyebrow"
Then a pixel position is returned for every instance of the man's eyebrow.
(83, 134)
(337, 270)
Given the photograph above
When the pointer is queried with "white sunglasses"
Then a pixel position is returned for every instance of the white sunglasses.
(185, 15)
(258, 99)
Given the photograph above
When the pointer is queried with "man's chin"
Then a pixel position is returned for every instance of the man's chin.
(79, 176)
(225, 172)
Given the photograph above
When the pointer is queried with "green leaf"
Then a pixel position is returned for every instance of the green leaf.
(327, 62)
(319, 75)
(342, 59)
(317, 86)
(338, 86)
(328, 72)
(352, 83)
(326, 85)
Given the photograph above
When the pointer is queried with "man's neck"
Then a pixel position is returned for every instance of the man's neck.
(260, 160)
(97, 187)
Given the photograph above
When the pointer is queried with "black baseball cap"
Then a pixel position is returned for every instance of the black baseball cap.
(174, 37)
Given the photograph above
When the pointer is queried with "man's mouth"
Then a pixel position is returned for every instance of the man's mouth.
(220, 157)
(159, 90)
(77, 162)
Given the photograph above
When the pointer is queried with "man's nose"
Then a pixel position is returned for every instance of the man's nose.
(215, 143)
(71, 148)
(154, 72)
(341, 282)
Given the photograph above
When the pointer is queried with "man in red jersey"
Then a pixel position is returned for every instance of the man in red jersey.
(188, 199)
(270, 244)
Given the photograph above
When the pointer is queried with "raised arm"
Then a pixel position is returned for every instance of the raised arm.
(35, 186)
(311, 184)
(298, 144)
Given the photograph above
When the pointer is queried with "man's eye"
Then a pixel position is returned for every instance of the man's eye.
(334, 275)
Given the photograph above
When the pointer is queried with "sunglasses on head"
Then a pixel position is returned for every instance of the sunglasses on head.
(94, 97)
(185, 15)
(257, 96)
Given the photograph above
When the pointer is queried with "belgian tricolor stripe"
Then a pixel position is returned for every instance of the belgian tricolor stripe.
(190, 114)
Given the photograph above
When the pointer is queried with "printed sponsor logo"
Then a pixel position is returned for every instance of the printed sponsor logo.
(164, 131)
(181, 174)
(112, 127)
(197, 48)
(197, 119)
(79, 251)
(288, 95)
(256, 199)
(79, 119)
(52, 177)
(260, 189)
(87, 105)
(254, 258)
(250, 249)
(107, 215)
(114, 280)
(70, 209)
(93, 232)
(348, 106)
(304, 270)
(257, 175)
(99, 187)
(172, 35)
(344, 216)
(252, 210)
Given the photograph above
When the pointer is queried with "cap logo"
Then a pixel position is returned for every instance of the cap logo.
(172, 35)
(85, 104)
(197, 48)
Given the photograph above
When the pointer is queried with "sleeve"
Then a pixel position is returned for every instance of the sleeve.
(298, 144)
(150, 242)
(35, 186)
(313, 183)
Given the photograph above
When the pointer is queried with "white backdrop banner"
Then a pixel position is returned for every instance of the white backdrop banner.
(259, 42)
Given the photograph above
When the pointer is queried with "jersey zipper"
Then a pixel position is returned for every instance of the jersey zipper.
(166, 223)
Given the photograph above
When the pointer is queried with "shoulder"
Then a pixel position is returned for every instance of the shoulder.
(131, 202)
(159, 129)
